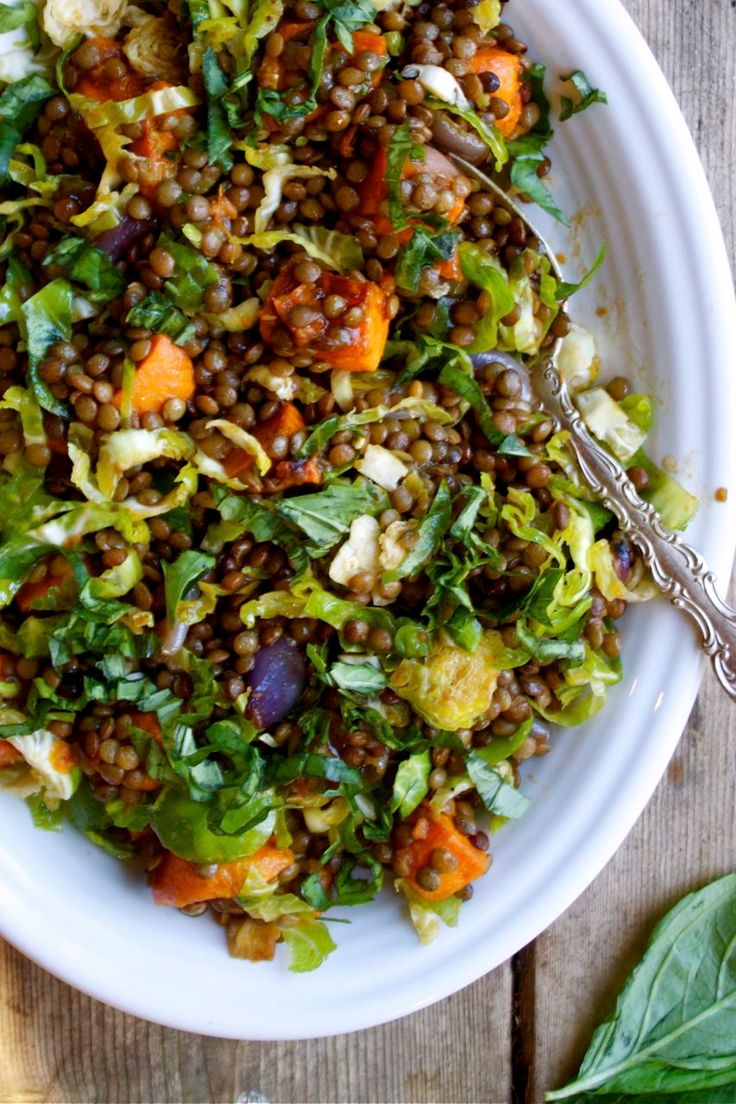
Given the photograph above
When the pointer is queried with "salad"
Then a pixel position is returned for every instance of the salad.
(295, 572)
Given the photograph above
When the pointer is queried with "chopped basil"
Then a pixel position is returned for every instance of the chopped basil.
(181, 575)
(564, 290)
(497, 796)
(325, 516)
(401, 147)
(587, 95)
(431, 530)
(20, 104)
(156, 312)
(87, 264)
(47, 318)
(422, 250)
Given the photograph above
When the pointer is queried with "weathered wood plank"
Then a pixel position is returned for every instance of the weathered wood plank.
(57, 1045)
(687, 835)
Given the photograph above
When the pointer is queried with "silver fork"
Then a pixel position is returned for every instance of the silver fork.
(678, 570)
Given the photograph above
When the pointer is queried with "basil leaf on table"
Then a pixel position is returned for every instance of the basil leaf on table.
(672, 1035)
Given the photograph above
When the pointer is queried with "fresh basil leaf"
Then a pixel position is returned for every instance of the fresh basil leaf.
(673, 1030)
(423, 249)
(219, 135)
(325, 516)
(547, 649)
(401, 147)
(497, 796)
(535, 77)
(352, 14)
(21, 15)
(588, 95)
(361, 678)
(432, 528)
(193, 275)
(87, 264)
(180, 575)
(485, 272)
(156, 312)
(20, 104)
(310, 943)
(358, 880)
(527, 155)
(564, 290)
(467, 387)
(465, 629)
(47, 318)
(462, 526)
(491, 135)
(411, 783)
(281, 770)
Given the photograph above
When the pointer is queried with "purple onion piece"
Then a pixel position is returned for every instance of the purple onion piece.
(276, 682)
(623, 554)
(452, 137)
(124, 236)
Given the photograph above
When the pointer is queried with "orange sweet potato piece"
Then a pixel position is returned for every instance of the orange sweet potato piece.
(367, 338)
(166, 372)
(432, 831)
(507, 67)
(32, 595)
(284, 423)
(97, 85)
(176, 881)
(9, 756)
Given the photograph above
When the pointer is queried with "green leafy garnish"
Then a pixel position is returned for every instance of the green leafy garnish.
(423, 249)
(20, 104)
(496, 794)
(673, 1032)
(325, 516)
(156, 312)
(86, 264)
(431, 529)
(401, 147)
(565, 290)
(47, 318)
(587, 95)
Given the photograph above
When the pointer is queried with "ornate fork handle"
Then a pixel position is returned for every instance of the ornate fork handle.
(678, 570)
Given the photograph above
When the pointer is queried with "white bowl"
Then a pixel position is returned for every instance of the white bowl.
(634, 172)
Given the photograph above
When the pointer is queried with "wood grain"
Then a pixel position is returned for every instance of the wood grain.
(58, 1046)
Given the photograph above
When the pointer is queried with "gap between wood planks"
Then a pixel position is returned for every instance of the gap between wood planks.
(523, 1033)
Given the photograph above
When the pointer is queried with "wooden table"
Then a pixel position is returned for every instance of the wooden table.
(523, 1028)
